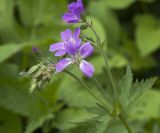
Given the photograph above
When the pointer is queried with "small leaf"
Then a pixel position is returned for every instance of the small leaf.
(125, 85)
(139, 88)
(129, 92)
(146, 107)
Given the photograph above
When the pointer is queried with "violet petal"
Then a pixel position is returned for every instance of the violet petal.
(78, 43)
(62, 64)
(80, 3)
(86, 50)
(87, 68)
(72, 7)
(60, 53)
(56, 46)
(71, 17)
(65, 35)
(76, 33)
(76, 7)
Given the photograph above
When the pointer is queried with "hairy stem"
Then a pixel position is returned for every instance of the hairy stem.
(106, 62)
(125, 124)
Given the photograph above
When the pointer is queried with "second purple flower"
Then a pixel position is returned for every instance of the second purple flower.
(75, 11)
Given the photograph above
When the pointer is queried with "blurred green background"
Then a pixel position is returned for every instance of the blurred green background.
(131, 29)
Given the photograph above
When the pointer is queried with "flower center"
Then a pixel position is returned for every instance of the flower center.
(76, 58)
(72, 40)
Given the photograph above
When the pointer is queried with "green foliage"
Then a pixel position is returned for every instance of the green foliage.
(98, 27)
(68, 118)
(37, 107)
(10, 122)
(147, 34)
(146, 107)
(131, 34)
(120, 4)
(97, 125)
(129, 91)
(8, 50)
(111, 25)
(75, 95)
(36, 122)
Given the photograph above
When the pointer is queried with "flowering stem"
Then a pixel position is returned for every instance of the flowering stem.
(103, 92)
(111, 79)
(125, 124)
(106, 62)
(110, 74)
(88, 89)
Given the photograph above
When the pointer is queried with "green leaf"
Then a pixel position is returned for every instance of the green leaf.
(139, 88)
(97, 110)
(69, 118)
(125, 86)
(10, 123)
(118, 4)
(98, 28)
(35, 107)
(117, 61)
(130, 92)
(36, 122)
(147, 34)
(38, 107)
(40, 18)
(146, 107)
(8, 50)
(7, 19)
(130, 50)
(96, 125)
(14, 100)
(44, 111)
(34, 12)
(75, 94)
(116, 126)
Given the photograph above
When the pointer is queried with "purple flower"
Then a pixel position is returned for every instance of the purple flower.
(75, 11)
(77, 53)
(70, 43)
